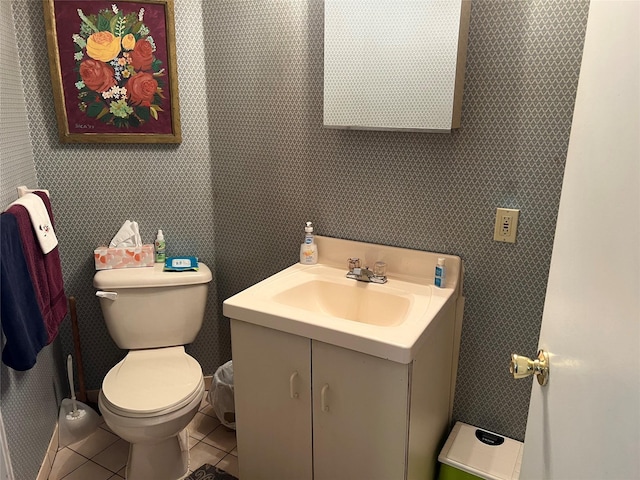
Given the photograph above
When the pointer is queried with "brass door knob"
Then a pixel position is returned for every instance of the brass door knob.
(521, 367)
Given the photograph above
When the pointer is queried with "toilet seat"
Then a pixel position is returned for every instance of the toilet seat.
(151, 383)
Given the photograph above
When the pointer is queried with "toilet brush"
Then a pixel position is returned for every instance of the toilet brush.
(76, 420)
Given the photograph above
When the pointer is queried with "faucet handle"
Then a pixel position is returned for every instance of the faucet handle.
(380, 269)
(354, 262)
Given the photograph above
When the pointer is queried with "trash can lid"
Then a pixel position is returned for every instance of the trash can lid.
(482, 453)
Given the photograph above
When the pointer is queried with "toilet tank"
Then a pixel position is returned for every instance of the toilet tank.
(152, 308)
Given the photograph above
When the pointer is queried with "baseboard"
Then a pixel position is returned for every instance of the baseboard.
(50, 456)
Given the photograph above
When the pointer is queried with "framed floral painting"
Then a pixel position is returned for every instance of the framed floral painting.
(113, 70)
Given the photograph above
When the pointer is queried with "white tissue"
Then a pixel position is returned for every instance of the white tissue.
(127, 236)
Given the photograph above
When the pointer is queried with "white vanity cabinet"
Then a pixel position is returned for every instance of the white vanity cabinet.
(337, 379)
(306, 409)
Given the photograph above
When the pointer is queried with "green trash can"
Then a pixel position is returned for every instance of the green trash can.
(471, 454)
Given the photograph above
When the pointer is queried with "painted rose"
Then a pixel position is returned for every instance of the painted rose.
(141, 88)
(142, 55)
(103, 46)
(119, 77)
(97, 76)
(128, 41)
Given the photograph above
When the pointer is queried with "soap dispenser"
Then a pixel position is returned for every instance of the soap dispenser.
(308, 250)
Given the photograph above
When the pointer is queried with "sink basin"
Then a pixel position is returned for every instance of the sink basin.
(388, 320)
(351, 301)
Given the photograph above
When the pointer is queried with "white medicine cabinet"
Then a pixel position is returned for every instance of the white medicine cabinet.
(394, 64)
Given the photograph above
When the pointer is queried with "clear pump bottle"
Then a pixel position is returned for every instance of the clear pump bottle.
(309, 249)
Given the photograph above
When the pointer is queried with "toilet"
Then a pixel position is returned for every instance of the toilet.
(150, 397)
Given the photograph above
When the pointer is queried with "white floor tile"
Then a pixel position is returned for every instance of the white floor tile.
(104, 426)
(202, 425)
(203, 453)
(211, 443)
(208, 410)
(66, 461)
(222, 438)
(113, 457)
(230, 465)
(94, 443)
(89, 470)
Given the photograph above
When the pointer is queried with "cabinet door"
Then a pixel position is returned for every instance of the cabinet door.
(272, 381)
(392, 65)
(360, 415)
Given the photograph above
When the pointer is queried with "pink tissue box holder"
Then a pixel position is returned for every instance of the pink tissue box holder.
(107, 258)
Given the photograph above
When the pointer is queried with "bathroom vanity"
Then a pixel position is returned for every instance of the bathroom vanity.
(336, 378)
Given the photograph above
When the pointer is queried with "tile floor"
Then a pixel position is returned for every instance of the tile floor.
(103, 455)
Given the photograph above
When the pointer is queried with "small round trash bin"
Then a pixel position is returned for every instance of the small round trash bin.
(221, 395)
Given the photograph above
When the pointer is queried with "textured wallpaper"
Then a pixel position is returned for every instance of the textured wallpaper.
(256, 163)
(29, 399)
(95, 188)
(17, 167)
(275, 166)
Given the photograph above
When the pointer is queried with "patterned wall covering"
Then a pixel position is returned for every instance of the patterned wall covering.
(256, 163)
(29, 399)
(17, 167)
(95, 188)
(276, 166)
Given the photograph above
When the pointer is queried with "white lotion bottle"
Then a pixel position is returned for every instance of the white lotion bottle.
(308, 250)
(438, 281)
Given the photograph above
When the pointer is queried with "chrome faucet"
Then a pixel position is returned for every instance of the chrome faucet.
(366, 275)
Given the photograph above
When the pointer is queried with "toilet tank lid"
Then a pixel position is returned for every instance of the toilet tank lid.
(145, 277)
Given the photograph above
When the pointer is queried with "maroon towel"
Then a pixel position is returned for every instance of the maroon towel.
(45, 270)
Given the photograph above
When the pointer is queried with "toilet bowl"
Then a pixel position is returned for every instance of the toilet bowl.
(153, 423)
(150, 396)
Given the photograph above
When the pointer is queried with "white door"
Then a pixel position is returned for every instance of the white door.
(585, 423)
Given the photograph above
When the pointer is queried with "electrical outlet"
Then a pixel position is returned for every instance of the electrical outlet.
(506, 225)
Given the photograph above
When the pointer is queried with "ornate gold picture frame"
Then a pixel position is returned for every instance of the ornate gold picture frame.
(113, 70)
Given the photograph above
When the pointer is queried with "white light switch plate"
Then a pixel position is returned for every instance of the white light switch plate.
(506, 225)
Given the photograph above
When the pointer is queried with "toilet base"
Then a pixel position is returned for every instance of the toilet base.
(166, 460)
